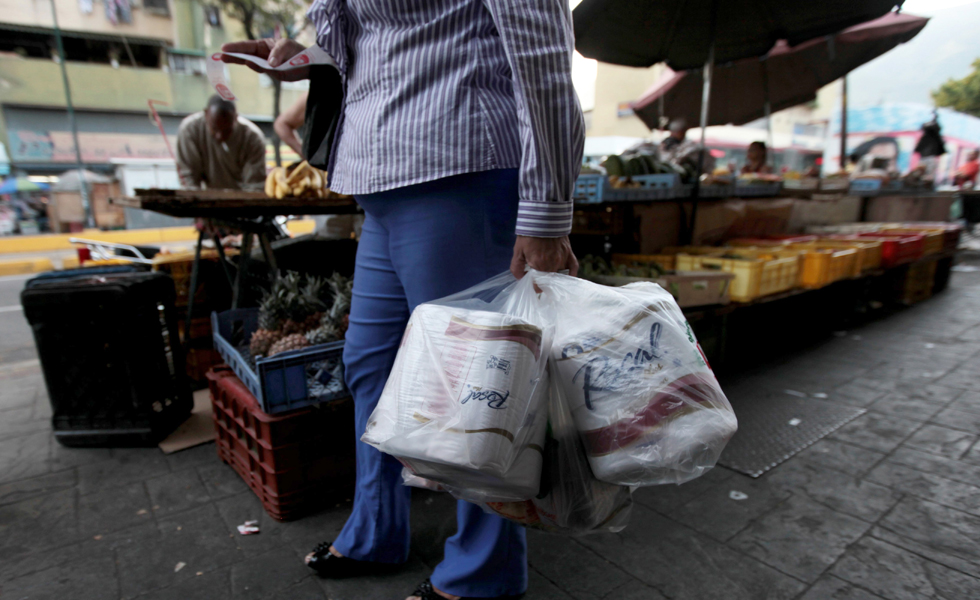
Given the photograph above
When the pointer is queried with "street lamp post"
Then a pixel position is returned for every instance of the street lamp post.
(83, 185)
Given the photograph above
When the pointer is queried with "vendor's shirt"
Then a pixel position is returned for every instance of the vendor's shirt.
(202, 161)
(435, 89)
(969, 171)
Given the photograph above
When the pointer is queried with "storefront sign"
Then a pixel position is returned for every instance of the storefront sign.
(58, 146)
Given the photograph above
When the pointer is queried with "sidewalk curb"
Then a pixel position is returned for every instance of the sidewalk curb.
(25, 266)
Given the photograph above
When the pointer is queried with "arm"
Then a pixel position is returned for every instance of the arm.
(289, 121)
(189, 161)
(538, 40)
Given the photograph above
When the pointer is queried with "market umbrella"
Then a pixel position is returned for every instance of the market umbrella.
(785, 77)
(71, 182)
(641, 33)
(21, 184)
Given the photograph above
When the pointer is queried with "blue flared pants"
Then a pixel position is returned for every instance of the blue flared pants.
(420, 243)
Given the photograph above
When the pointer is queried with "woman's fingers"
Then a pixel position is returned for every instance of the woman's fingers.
(284, 50)
(260, 48)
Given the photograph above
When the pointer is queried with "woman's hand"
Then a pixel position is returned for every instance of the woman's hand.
(543, 254)
(276, 52)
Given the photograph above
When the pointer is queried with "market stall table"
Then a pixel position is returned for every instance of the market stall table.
(252, 213)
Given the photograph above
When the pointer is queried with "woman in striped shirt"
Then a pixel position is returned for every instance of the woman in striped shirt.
(461, 137)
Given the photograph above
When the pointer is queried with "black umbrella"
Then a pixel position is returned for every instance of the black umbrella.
(641, 33)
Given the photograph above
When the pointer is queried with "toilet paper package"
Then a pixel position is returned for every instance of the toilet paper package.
(466, 401)
(643, 398)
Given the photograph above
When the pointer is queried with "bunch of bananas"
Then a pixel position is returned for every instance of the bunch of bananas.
(298, 180)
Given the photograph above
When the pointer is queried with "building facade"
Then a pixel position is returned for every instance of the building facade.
(120, 54)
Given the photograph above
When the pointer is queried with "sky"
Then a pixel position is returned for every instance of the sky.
(943, 50)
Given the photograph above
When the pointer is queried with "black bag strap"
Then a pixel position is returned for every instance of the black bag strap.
(323, 109)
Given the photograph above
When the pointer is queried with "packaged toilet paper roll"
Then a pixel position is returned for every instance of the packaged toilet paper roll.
(640, 390)
(464, 404)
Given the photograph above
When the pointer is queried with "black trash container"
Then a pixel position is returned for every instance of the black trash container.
(111, 357)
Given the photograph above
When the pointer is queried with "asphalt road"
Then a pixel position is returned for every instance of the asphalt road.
(16, 341)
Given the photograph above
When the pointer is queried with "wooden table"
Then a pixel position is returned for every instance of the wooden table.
(251, 213)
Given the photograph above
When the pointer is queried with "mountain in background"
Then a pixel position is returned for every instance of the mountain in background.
(944, 50)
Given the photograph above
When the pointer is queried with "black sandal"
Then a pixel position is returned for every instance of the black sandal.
(330, 566)
(425, 591)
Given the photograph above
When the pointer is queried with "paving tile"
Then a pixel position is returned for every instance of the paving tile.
(897, 574)
(962, 379)
(114, 509)
(577, 569)
(220, 480)
(39, 523)
(835, 490)
(304, 590)
(939, 533)
(841, 456)
(968, 401)
(145, 563)
(913, 409)
(16, 563)
(800, 537)
(636, 590)
(433, 520)
(204, 454)
(665, 498)
(213, 585)
(973, 454)
(957, 470)
(961, 496)
(874, 431)
(861, 391)
(23, 489)
(175, 492)
(686, 565)
(267, 574)
(539, 587)
(89, 578)
(65, 457)
(202, 538)
(958, 419)
(829, 587)
(716, 514)
(24, 456)
(235, 510)
(323, 526)
(391, 586)
(941, 440)
(123, 467)
(19, 421)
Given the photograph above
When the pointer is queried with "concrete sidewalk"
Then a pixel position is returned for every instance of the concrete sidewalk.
(888, 506)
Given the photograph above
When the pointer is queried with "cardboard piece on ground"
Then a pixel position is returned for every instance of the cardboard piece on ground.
(197, 429)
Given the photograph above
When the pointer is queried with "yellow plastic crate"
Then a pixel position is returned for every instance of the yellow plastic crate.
(758, 273)
(667, 262)
(919, 281)
(933, 243)
(823, 266)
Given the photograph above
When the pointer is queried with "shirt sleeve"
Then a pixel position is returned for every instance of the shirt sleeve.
(190, 167)
(539, 41)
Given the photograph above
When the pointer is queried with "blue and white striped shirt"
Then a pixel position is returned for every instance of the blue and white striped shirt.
(441, 87)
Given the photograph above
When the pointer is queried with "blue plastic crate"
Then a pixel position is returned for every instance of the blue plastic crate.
(594, 189)
(865, 187)
(757, 189)
(286, 381)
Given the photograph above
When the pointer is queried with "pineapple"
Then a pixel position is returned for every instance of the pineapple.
(262, 341)
(327, 332)
(295, 341)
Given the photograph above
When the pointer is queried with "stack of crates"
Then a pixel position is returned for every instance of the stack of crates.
(919, 282)
(295, 462)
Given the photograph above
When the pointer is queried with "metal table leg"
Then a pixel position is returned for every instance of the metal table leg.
(223, 259)
(270, 256)
(242, 267)
(192, 291)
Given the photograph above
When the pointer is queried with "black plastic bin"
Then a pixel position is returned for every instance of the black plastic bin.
(111, 357)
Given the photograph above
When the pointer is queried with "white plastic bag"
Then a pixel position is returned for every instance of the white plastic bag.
(465, 404)
(641, 392)
(571, 501)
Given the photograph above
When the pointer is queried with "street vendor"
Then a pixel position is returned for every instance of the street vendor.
(461, 139)
(756, 159)
(677, 149)
(218, 149)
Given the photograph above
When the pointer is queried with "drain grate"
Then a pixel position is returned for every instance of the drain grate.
(774, 427)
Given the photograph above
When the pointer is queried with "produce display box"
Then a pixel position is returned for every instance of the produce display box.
(865, 187)
(868, 251)
(834, 184)
(713, 190)
(951, 232)
(919, 282)
(933, 242)
(286, 381)
(823, 266)
(897, 249)
(805, 183)
(294, 463)
(772, 241)
(689, 288)
(758, 273)
(595, 188)
(109, 350)
(664, 261)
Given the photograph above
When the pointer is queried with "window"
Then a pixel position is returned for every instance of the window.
(157, 7)
(187, 63)
(212, 14)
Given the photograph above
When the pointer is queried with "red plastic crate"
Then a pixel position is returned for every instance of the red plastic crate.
(895, 249)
